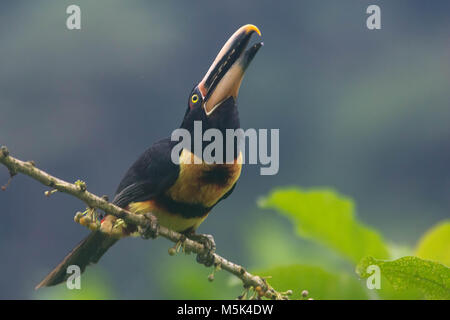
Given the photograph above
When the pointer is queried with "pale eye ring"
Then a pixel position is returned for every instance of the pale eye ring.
(194, 98)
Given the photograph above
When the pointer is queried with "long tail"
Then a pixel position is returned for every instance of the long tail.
(88, 251)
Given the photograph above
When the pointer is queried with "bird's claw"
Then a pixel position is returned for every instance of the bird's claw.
(207, 256)
(151, 230)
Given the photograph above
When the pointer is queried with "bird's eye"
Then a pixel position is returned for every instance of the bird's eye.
(194, 98)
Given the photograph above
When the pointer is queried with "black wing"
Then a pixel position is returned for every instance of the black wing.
(153, 173)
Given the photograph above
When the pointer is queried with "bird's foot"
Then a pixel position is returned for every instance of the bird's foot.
(88, 219)
(151, 230)
(207, 256)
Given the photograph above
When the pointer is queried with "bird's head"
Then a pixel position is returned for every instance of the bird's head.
(213, 100)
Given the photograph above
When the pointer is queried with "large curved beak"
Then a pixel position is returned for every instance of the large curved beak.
(225, 75)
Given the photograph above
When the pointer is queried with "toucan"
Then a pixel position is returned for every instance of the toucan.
(180, 194)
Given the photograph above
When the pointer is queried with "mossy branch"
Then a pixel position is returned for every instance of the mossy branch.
(79, 190)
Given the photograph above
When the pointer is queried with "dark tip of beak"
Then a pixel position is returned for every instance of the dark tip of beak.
(235, 52)
(250, 54)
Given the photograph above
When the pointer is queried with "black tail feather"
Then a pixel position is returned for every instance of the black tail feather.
(88, 251)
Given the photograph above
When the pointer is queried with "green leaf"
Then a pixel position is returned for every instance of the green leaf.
(435, 244)
(410, 273)
(320, 284)
(283, 247)
(328, 218)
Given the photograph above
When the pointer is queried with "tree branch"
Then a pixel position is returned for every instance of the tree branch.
(258, 284)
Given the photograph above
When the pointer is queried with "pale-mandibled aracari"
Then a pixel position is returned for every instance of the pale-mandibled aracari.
(179, 195)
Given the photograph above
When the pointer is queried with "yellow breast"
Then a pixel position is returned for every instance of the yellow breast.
(171, 220)
(204, 183)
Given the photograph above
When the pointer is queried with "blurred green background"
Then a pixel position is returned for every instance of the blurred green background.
(362, 112)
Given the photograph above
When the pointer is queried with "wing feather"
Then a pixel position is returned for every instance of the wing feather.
(152, 174)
